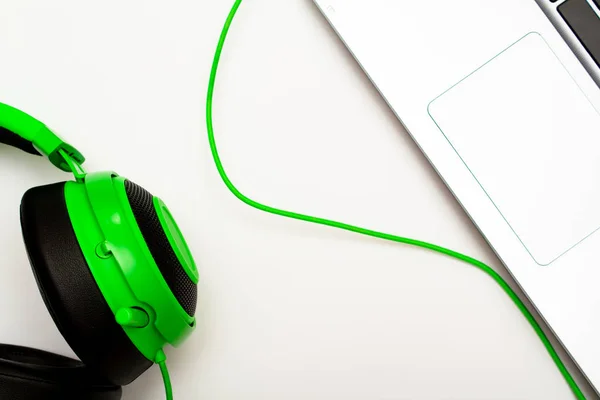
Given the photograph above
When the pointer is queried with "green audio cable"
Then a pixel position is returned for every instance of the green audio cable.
(161, 360)
(166, 379)
(340, 225)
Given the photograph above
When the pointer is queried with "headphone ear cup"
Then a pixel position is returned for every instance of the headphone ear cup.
(70, 291)
(29, 374)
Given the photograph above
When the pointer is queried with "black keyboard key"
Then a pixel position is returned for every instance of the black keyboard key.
(585, 24)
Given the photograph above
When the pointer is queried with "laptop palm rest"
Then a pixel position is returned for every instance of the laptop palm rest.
(531, 139)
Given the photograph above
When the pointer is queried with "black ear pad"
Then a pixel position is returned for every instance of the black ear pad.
(70, 291)
(12, 139)
(184, 289)
(28, 374)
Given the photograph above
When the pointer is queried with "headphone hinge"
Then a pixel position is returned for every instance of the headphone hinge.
(73, 165)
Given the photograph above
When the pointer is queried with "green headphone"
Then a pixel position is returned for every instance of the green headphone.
(112, 266)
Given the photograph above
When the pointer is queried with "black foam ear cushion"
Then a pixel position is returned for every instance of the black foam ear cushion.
(70, 291)
(12, 139)
(29, 374)
(185, 291)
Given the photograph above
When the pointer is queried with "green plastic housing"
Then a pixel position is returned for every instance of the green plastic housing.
(122, 263)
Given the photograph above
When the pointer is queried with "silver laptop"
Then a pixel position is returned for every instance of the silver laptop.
(503, 97)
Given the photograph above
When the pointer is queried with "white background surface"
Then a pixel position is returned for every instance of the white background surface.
(286, 310)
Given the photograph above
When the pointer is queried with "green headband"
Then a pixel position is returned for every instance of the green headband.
(23, 131)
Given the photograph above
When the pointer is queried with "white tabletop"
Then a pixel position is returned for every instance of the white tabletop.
(287, 310)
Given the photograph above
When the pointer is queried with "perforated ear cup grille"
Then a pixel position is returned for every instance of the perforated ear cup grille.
(185, 291)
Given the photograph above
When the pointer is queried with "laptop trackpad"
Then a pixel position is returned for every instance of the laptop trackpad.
(531, 138)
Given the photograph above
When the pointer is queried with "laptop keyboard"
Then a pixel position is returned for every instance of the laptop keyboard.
(585, 24)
